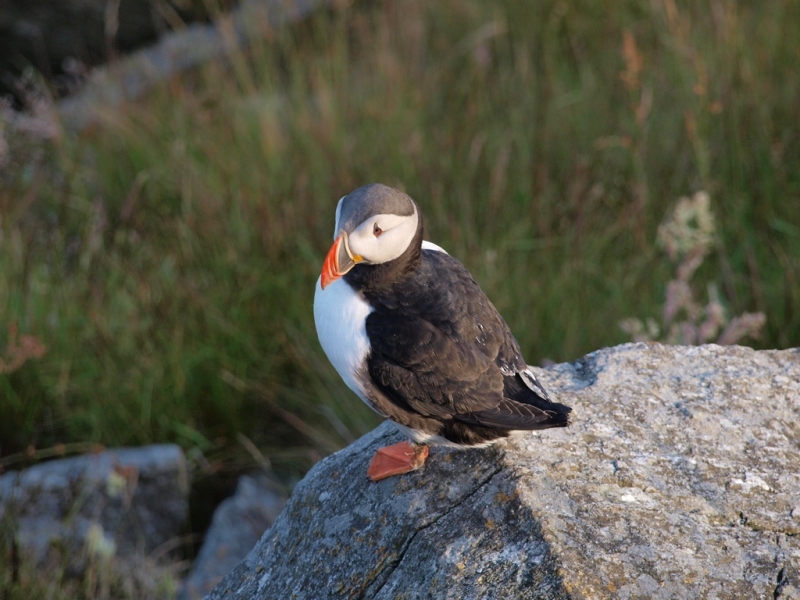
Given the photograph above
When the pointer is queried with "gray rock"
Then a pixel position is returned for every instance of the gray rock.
(679, 479)
(178, 52)
(237, 525)
(121, 502)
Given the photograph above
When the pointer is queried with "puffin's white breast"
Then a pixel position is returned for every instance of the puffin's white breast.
(340, 315)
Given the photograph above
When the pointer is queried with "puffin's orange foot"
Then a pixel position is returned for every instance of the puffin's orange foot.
(396, 460)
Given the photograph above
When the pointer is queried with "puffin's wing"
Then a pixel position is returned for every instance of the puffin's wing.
(441, 349)
(420, 368)
(526, 404)
(510, 414)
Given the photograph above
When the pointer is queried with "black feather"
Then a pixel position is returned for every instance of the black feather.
(442, 359)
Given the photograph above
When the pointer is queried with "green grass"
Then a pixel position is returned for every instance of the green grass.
(167, 257)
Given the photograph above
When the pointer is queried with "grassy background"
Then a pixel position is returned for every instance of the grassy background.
(167, 257)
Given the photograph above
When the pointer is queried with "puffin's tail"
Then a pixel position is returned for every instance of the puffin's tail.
(525, 407)
(511, 415)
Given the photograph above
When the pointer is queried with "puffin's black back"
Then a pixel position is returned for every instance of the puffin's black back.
(442, 354)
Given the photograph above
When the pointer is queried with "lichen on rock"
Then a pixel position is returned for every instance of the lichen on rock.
(679, 479)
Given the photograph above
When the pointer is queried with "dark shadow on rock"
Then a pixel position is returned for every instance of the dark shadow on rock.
(237, 525)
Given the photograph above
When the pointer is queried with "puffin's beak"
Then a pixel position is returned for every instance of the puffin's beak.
(338, 261)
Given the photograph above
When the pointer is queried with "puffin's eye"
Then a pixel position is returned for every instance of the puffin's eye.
(377, 230)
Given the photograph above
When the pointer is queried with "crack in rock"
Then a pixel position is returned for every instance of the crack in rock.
(392, 566)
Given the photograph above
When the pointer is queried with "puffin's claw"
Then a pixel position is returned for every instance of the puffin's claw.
(396, 459)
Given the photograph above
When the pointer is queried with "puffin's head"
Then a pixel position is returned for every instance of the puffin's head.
(374, 224)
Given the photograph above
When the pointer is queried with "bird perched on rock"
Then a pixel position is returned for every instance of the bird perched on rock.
(414, 336)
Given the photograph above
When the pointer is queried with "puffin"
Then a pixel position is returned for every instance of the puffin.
(410, 331)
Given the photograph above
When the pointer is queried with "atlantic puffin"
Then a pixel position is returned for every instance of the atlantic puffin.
(413, 335)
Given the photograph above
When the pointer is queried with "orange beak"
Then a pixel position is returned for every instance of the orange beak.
(338, 261)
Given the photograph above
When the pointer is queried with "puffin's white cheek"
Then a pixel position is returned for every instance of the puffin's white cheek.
(379, 249)
(392, 244)
(363, 245)
(397, 235)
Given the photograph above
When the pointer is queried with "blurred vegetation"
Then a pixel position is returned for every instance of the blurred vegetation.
(102, 578)
(166, 259)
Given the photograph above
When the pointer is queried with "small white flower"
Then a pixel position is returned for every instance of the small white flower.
(98, 545)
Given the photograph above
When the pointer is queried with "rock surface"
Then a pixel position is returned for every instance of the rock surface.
(237, 525)
(679, 479)
(121, 502)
